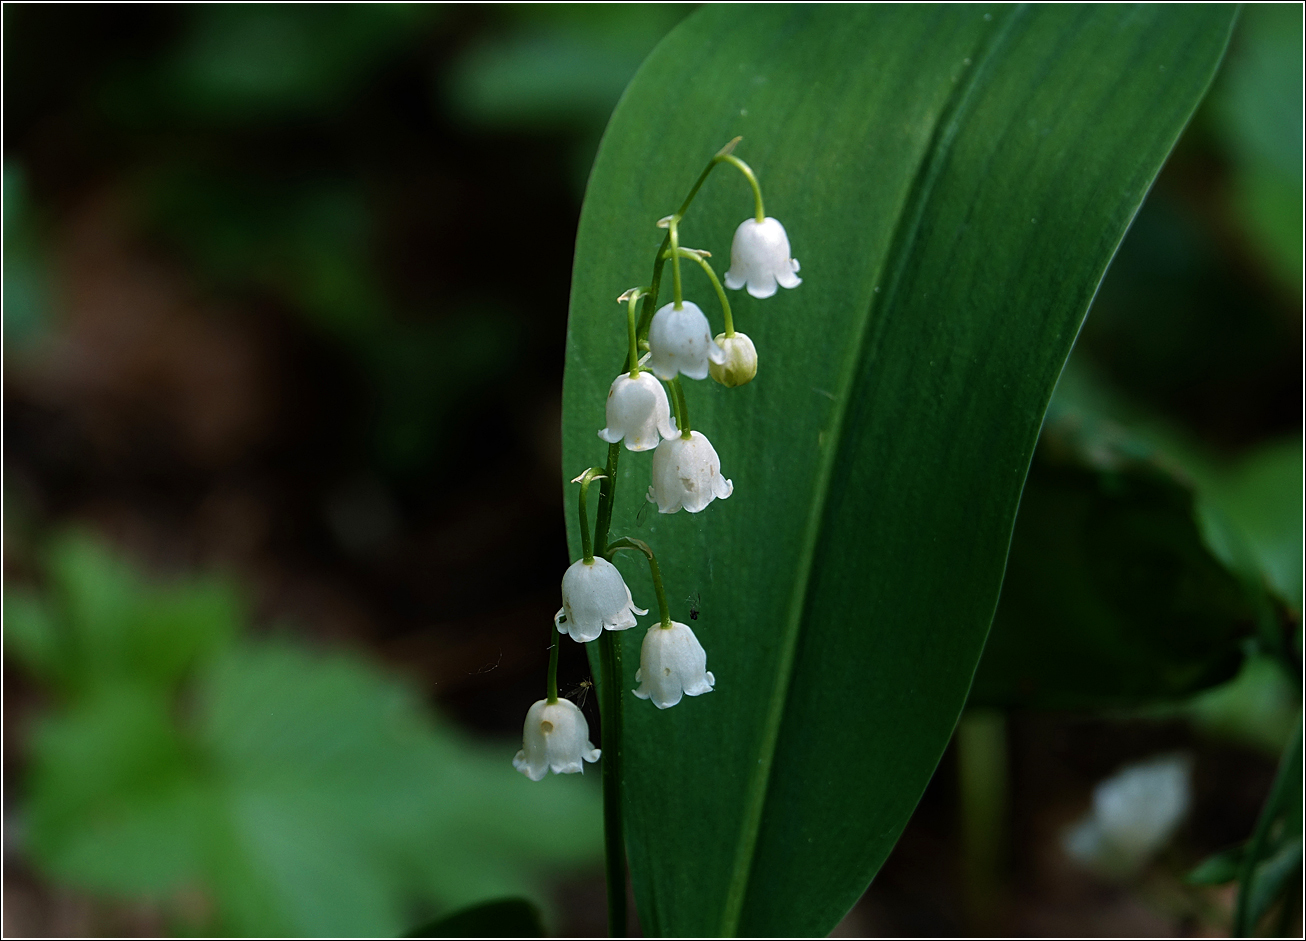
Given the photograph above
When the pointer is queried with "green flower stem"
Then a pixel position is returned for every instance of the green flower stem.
(585, 479)
(636, 545)
(747, 171)
(675, 405)
(674, 235)
(651, 299)
(682, 412)
(611, 684)
(610, 676)
(607, 498)
(1281, 793)
(720, 291)
(614, 837)
(553, 666)
(632, 364)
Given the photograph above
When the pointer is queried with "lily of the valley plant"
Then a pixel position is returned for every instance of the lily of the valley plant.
(685, 473)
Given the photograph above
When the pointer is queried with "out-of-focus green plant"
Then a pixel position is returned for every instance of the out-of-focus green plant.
(1257, 113)
(26, 278)
(255, 787)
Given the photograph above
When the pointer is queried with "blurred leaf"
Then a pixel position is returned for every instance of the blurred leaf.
(1274, 852)
(1248, 510)
(26, 278)
(116, 798)
(954, 181)
(505, 918)
(267, 62)
(1110, 597)
(121, 630)
(1257, 708)
(1262, 495)
(556, 66)
(308, 795)
(343, 801)
(1218, 869)
(1272, 878)
(1257, 109)
(30, 633)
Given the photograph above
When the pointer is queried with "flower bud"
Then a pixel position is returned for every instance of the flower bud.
(741, 360)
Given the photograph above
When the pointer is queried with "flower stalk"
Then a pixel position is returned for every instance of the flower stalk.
(747, 171)
(637, 545)
(585, 479)
(701, 257)
(614, 835)
(682, 409)
(553, 667)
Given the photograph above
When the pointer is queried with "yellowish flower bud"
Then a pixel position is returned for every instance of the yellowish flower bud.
(741, 360)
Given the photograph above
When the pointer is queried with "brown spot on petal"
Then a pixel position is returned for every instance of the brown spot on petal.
(546, 726)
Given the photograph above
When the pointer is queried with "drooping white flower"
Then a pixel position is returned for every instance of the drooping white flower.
(759, 257)
(681, 341)
(594, 596)
(556, 738)
(1134, 814)
(741, 360)
(637, 411)
(687, 473)
(672, 663)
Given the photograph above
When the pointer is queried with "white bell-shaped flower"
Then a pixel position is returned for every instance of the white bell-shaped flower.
(687, 473)
(741, 360)
(759, 257)
(556, 738)
(638, 411)
(594, 596)
(681, 341)
(672, 663)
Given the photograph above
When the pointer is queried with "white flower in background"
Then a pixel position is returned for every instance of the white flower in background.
(741, 360)
(594, 596)
(687, 473)
(556, 737)
(759, 257)
(637, 411)
(681, 341)
(672, 663)
(1135, 812)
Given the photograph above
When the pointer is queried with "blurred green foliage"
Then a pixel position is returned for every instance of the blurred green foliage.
(269, 62)
(26, 275)
(254, 787)
(503, 918)
(1146, 568)
(1256, 109)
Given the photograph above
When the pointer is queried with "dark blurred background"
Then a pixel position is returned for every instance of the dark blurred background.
(285, 298)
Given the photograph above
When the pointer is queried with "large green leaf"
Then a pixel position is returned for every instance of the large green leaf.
(954, 181)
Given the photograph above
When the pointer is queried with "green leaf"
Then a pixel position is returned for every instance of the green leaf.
(1218, 869)
(31, 633)
(1110, 597)
(1262, 496)
(341, 802)
(304, 795)
(503, 918)
(121, 629)
(954, 181)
